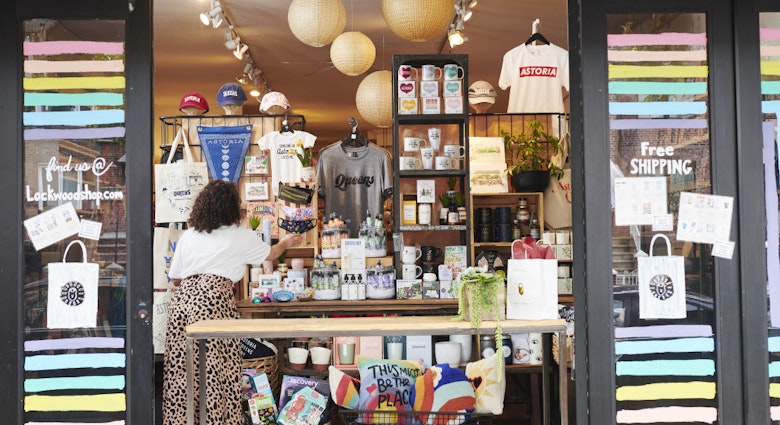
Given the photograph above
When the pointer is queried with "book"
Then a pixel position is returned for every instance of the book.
(305, 408)
(455, 259)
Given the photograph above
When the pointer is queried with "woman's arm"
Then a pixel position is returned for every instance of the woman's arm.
(289, 241)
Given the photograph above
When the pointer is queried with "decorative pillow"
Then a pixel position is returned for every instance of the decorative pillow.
(386, 385)
(343, 388)
(489, 386)
(442, 389)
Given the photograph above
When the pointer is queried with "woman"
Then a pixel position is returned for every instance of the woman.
(209, 257)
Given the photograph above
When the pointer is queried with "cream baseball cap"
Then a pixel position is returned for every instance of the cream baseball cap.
(482, 92)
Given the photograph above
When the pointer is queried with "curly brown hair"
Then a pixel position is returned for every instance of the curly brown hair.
(218, 204)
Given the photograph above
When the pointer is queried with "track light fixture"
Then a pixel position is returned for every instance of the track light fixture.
(455, 35)
(230, 42)
(214, 16)
(240, 50)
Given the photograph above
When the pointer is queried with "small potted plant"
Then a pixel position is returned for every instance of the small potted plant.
(460, 205)
(530, 167)
(445, 200)
(481, 296)
(254, 222)
(304, 151)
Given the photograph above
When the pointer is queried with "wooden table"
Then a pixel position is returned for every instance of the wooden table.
(198, 332)
(420, 307)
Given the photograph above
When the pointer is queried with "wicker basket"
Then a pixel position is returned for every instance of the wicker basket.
(269, 365)
(569, 341)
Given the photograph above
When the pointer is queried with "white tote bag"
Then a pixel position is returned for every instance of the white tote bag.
(176, 185)
(661, 284)
(532, 289)
(162, 299)
(73, 292)
(557, 195)
(165, 240)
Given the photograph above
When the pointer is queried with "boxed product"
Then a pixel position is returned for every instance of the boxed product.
(562, 252)
(408, 106)
(445, 289)
(452, 88)
(429, 89)
(430, 290)
(371, 346)
(408, 289)
(306, 407)
(431, 105)
(420, 347)
(337, 360)
(453, 105)
(564, 285)
(292, 384)
(407, 89)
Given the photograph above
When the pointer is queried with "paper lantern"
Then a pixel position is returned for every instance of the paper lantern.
(316, 22)
(418, 20)
(352, 53)
(374, 98)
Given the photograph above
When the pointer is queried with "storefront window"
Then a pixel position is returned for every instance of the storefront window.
(74, 191)
(662, 199)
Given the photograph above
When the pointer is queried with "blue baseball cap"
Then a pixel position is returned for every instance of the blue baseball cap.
(231, 94)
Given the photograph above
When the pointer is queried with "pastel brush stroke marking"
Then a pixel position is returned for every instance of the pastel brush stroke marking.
(681, 345)
(74, 343)
(657, 56)
(648, 87)
(663, 331)
(770, 106)
(770, 87)
(774, 413)
(770, 68)
(63, 83)
(769, 34)
(76, 423)
(666, 39)
(74, 133)
(74, 99)
(104, 116)
(697, 367)
(654, 124)
(667, 391)
(71, 47)
(774, 390)
(75, 403)
(770, 51)
(111, 382)
(774, 369)
(49, 67)
(773, 343)
(73, 361)
(669, 71)
(657, 108)
(670, 414)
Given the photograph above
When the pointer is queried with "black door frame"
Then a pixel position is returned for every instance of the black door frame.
(138, 55)
(740, 300)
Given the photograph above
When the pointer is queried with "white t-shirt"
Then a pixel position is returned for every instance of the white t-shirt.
(224, 252)
(285, 166)
(535, 75)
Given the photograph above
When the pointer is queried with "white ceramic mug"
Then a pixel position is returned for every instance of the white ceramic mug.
(410, 254)
(320, 355)
(427, 158)
(455, 151)
(410, 271)
(406, 73)
(429, 277)
(412, 144)
(409, 163)
(434, 137)
(448, 352)
(453, 72)
(445, 163)
(431, 73)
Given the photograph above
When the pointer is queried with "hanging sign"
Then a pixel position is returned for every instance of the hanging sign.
(225, 150)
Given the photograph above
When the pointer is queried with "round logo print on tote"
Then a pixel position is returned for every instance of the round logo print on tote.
(661, 286)
(72, 293)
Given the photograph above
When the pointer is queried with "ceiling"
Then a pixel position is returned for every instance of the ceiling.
(191, 57)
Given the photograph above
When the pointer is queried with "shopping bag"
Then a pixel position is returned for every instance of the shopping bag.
(162, 298)
(557, 195)
(165, 240)
(176, 185)
(661, 284)
(73, 292)
(532, 289)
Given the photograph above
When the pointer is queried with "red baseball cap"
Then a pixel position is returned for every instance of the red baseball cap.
(196, 100)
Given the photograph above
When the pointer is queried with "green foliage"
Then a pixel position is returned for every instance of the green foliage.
(459, 199)
(445, 200)
(451, 181)
(254, 222)
(528, 151)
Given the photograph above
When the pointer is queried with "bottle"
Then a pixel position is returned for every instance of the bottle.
(353, 288)
(523, 216)
(534, 232)
(453, 217)
(361, 288)
(517, 232)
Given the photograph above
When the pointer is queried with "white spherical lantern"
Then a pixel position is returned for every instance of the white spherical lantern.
(374, 98)
(418, 20)
(352, 53)
(316, 23)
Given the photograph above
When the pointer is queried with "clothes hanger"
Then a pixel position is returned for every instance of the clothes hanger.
(355, 138)
(286, 127)
(535, 34)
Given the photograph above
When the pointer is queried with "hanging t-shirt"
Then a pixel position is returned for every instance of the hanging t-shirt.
(354, 180)
(534, 75)
(285, 165)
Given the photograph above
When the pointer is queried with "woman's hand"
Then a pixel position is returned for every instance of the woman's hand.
(291, 240)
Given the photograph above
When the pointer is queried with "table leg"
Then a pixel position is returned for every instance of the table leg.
(190, 382)
(202, 379)
(546, 342)
(563, 376)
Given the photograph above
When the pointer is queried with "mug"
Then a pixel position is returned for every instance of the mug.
(429, 253)
(431, 73)
(429, 277)
(427, 158)
(406, 73)
(409, 163)
(456, 151)
(453, 72)
(434, 137)
(410, 254)
(412, 144)
(410, 271)
(445, 163)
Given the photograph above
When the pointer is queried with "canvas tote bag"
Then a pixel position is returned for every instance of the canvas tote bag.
(557, 195)
(73, 292)
(164, 245)
(661, 284)
(176, 185)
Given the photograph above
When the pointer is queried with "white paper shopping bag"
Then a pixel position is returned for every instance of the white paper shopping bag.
(661, 284)
(73, 293)
(532, 289)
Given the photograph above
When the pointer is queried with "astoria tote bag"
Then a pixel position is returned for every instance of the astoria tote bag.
(73, 292)
(661, 284)
(176, 185)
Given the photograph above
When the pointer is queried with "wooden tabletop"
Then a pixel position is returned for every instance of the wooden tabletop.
(421, 307)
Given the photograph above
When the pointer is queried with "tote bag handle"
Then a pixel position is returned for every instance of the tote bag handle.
(668, 244)
(180, 135)
(83, 251)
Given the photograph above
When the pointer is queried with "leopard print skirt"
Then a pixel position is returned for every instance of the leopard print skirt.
(202, 297)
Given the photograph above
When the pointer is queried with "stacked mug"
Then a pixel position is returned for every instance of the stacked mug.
(484, 225)
(503, 224)
(430, 259)
(409, 268)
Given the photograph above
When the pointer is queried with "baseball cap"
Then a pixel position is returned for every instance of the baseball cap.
(274, 102)
(231, 94)
(482, 92)
(195, 100)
